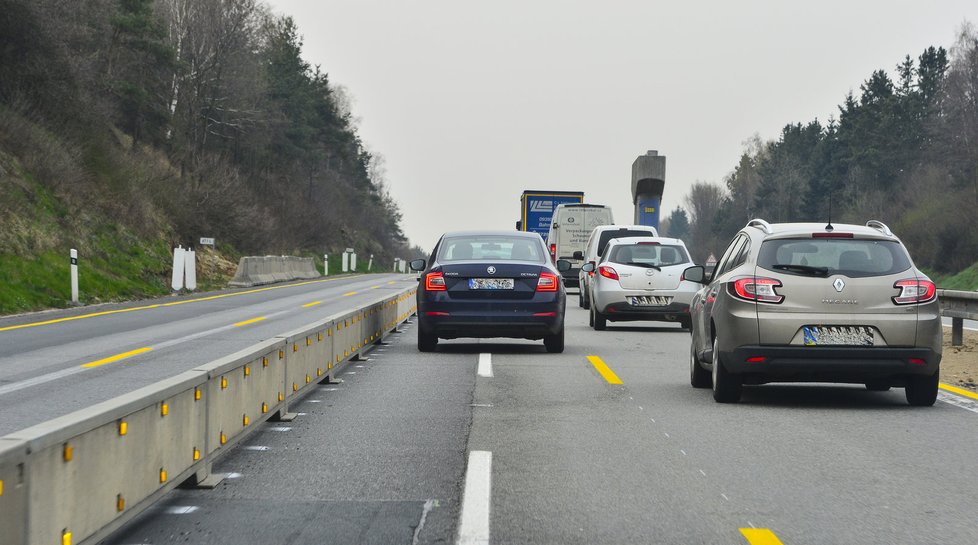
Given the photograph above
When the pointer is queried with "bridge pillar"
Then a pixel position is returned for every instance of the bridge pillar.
(648, 181)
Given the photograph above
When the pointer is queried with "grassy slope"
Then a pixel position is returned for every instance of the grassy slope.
(966, 280)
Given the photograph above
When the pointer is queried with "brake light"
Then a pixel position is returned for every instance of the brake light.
(648, 244)
(435, 281)
(761, 290)
(914, 291)
(608, 272)
(436, 313)
(553, 253)
(832, 235)
(547, 282)
(756, 359)
(918, 361)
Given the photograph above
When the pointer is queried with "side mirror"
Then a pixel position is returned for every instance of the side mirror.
(695, 274)
(563, 265)
(418, 265)
(588, 267)
(578, 255)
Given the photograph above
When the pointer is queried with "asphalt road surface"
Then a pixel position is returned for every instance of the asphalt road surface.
(499, 442)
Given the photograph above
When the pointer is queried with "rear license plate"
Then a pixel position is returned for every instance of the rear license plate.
(821, 335)
(649, 301)
(491, 283)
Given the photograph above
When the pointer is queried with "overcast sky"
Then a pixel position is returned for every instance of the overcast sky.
(470, 103)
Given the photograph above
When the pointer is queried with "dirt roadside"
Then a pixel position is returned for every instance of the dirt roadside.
(959, 365)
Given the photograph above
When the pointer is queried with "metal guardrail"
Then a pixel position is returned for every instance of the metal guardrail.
(78, 478)
(959, 306)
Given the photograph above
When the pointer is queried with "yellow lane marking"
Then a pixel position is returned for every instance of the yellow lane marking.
(210, 298)
(349, 294)
(393, 282)
(605, 371)
(958, 391)
(251, 321)
(117, 357)
(312, 304)
(375, 287)
(760, 536)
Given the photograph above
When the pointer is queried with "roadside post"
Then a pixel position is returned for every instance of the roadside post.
(190, 268)
(325, 264)
(353, 260)
(346, 259)
(370, 263)
(74, 276)
(176, 281)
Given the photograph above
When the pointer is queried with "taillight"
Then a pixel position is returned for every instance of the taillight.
(757, 289)
(435, 281)
(608, 272)
(913, 291)
(553, 253)
(831, 235)
(547, 282)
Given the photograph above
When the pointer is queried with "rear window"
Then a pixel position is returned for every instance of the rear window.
(607, 236)
(854, 258)
(657, 255)
(497, 248)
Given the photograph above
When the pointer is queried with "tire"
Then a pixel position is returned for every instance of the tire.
(587, 299)
(555, 342)
(686, 323)
(922, 391)
(427, 341)
(698, 377)
(877, 386)
(600, 322)
(727, 387)
(590, 318)
(580, 298)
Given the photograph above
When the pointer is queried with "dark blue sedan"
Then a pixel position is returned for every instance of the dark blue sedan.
(490, 284)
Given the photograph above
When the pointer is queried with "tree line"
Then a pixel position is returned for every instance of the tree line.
(904, 150)
(193, 118)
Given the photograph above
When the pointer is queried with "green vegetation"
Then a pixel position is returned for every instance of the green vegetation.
(966, 280)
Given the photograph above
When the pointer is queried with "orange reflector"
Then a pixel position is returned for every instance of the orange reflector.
(224, 438)
(280, 396)
(162, 475)
(120, 504)
(264, 408)
(67, 453)
(247, 370)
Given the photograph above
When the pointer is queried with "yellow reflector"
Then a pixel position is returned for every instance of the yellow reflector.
(68, 452)
(295, 387)
(224, 438)
(329, 365)
(65, 537)
(164, 410)
(337, 359)
(308, 342)
(308, 380)
(280, 396)
(1, 487)
(264, 362)
(319, 336)
(196, 454)
(196, 394)
(319, 372)
(162, 475)
(120, 503)
(247, 370)
(295, 347)
(264, 408)
(123, 427)
(281, 354)
(244, 420)
(346, 353)
(329, 332)
(224, 383)
(338, 327)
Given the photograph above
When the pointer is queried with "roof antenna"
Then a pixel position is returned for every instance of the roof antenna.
(828, 226)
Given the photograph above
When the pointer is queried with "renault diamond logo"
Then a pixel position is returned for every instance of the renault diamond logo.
(838, 285)
(492, 270)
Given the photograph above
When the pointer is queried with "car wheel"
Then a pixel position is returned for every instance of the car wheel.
(555, 342)
(686, 323)
(727, 387)
(427, 341)
(587, 300)
(600, 322)
(698, 377)
(580, 298)
(922, 391)
(590, 318)
(878, 386)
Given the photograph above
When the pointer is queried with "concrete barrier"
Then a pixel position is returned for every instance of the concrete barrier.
(78, 478)
(255, 271)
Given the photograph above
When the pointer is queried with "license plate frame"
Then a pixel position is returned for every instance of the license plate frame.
(651, 301)
(491, 284)
(835, 335)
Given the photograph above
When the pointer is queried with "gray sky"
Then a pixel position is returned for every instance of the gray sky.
(471, 103)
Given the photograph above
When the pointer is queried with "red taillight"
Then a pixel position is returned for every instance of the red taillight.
(913, 291)
(648, 244)
(435, 313)
(756, 359)
(435, 281)
(608, 272)
(553, 252)
(547, 282)
(545, 314)
(757, 289)
(831, 235)
(918, 361)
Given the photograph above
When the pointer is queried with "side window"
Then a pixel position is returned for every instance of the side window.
(742, 254)
(726, 262)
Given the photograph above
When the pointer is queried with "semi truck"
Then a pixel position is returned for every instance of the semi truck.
(537, 208)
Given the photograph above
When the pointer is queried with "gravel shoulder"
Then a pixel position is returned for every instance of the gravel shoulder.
(959, 365)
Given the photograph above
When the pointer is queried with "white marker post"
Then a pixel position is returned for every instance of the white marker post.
(370, 263)
(176, 281)
(346, 260)
(190, 268)
(353, 261)
(74, 276)
(325, 264)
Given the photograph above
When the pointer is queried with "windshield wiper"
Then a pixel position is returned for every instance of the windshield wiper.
(804, 269)
(646, 265)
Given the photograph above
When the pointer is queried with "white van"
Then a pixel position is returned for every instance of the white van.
(572, 224)
(595, 246)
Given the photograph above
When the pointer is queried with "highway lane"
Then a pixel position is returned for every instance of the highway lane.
(563, 448)
(53, 363)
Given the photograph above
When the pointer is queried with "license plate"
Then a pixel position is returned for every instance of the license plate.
(649, 301)
(490, 283)
(821, 335)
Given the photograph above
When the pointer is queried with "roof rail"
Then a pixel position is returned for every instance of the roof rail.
(760, 224)
(879, 226)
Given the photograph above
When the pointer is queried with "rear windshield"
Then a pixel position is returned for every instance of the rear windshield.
(497, 248)
(854, 258)
(609, 235)
(656, 255)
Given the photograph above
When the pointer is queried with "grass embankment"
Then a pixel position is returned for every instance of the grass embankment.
(966, 280)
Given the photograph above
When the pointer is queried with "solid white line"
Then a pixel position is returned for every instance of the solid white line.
(473, 525)
(485, 365)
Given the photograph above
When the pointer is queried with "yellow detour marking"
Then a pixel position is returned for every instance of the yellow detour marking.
(117, 357)
(349, 294)
(958, 391)
(251, 321)
(312, 304)
(760, 536)
(605, 371)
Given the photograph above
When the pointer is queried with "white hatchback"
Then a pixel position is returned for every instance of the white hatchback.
(641, 278)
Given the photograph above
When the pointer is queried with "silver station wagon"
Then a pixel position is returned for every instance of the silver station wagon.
(806, 302)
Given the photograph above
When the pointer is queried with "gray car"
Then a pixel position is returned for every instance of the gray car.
(807, 302)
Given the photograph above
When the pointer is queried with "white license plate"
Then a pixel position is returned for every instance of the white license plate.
(491, 283)
(822, 335)
(649, 301)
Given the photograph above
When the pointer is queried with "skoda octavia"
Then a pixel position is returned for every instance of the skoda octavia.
(490, 284)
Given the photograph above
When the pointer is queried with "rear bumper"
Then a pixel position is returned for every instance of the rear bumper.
(829, 363)
(526, 320)
(624, 312)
